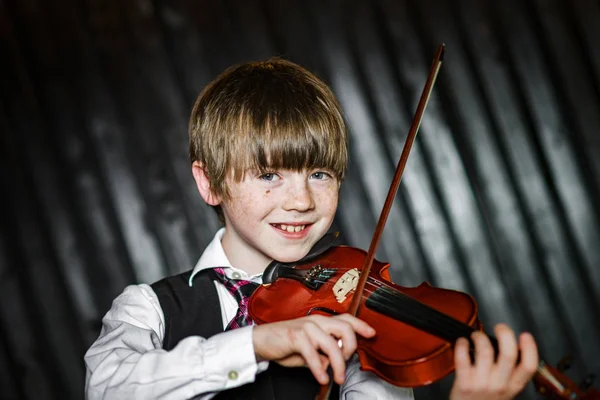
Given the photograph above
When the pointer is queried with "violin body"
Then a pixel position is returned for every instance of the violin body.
(400, 353)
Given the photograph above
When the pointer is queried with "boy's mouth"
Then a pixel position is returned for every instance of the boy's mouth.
(290, 228)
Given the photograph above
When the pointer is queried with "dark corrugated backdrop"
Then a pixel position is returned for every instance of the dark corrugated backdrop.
(498, 199)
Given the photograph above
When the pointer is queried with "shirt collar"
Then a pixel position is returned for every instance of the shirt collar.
(214, 256)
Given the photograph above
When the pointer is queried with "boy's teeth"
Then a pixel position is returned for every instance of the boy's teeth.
(292, 229)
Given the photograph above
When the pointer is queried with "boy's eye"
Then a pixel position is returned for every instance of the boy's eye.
(269, 176)
(320, 175)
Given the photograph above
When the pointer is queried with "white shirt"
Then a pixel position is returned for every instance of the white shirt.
(127, 360)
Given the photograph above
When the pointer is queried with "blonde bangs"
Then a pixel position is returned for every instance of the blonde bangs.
(292, 139)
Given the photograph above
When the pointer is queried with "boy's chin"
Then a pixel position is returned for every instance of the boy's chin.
(291, 257)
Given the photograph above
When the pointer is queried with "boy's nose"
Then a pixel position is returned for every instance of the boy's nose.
(299, 197)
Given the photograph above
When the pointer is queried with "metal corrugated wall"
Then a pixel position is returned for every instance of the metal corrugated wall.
(498, 199)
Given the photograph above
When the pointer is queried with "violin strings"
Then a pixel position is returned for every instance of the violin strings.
(428, 318)
(405, 308)
(419, 315)
(424, 316)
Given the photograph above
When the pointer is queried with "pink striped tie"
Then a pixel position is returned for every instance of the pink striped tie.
(241, 290)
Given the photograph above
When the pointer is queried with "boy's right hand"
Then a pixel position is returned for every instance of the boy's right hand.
(313, 342)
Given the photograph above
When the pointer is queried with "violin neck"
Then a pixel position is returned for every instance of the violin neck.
(394, 304)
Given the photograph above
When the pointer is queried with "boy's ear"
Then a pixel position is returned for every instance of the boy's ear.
(203, 184)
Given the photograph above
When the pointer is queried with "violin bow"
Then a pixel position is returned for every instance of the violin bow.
(387, 206)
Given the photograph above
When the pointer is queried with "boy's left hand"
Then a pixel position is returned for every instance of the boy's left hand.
(493, 379)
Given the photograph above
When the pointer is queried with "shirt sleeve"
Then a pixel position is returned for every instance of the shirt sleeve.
(365, 385)
(127, 360)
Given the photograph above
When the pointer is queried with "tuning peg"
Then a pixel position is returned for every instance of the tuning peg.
(587, 382)
(565, 363)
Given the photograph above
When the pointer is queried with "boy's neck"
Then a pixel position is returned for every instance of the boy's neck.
(251, 262)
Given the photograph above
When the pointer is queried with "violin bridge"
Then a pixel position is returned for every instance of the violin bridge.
(346, 284)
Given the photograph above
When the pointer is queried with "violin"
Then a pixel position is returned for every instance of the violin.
(422, 321)
(417, 326)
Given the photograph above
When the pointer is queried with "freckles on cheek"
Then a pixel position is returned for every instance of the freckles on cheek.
(329, 198)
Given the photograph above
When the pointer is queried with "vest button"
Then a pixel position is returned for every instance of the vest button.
(232, 375)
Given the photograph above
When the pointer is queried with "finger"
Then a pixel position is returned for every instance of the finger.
(297, 360)
(462, 361)
(358, 325)
(346, 336)
(324, 361)
(294, 360)
(507, 356)
(306, 348)
(484, 355)
(528, 365)
(323, 341)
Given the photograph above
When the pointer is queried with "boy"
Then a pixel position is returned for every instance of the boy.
(268, 147)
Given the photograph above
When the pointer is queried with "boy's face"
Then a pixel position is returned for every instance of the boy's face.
(277, 216)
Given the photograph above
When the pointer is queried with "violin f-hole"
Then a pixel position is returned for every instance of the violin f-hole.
(322, 309)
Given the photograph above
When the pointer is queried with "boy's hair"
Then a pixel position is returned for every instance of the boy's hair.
(263, 116)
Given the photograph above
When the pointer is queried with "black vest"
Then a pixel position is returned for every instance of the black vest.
(196, 310)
